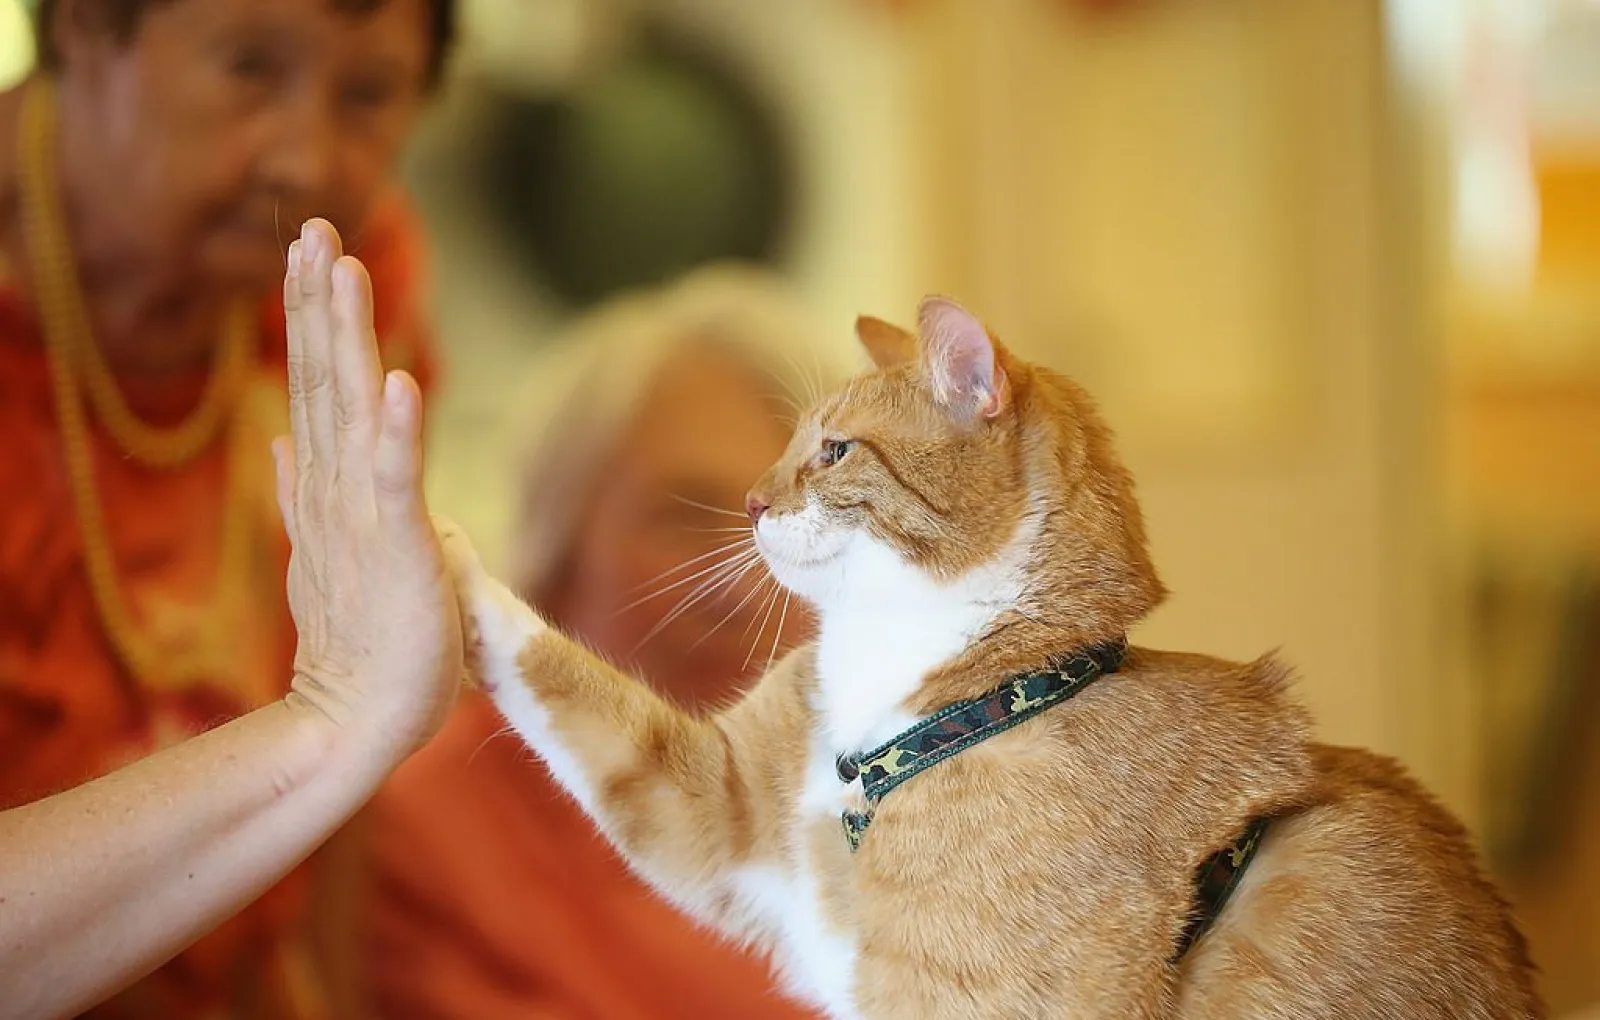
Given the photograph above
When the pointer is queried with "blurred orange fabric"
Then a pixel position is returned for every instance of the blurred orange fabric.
(495, 898)
(68, 709)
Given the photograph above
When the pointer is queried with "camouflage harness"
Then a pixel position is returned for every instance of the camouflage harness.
(965, 723)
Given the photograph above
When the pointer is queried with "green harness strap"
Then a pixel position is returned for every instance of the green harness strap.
(965, 723)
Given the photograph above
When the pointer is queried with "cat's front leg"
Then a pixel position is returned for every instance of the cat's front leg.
(693, 803)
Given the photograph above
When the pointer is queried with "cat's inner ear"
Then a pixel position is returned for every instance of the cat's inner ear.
(962, 363)
(887, 344)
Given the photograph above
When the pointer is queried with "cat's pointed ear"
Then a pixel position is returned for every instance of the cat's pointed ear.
(887, 344)
(962, 362)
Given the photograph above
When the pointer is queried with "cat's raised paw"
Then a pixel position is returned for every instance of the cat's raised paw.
(466, 576)
(496, 626)
(459, 554)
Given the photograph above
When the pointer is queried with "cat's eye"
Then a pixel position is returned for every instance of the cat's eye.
(833, 451)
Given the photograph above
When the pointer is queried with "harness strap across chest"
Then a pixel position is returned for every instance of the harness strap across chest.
(965, 723)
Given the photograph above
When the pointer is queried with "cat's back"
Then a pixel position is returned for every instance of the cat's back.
(1367, 902)
(1365, 899)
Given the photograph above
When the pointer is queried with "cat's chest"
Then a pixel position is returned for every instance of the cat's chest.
(865, 675)
(812, 907)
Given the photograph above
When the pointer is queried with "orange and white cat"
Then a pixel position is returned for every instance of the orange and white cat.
(958, 518)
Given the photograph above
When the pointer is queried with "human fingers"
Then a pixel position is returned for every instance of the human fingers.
(358, 375)
(397, 464)
(299, 368)
(311, 358)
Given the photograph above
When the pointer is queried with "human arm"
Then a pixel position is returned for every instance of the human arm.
(103, 883)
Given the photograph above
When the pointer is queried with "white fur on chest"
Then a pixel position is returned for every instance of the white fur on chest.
(815, 957)
(885, 630)
(890, 627)
(885, 625)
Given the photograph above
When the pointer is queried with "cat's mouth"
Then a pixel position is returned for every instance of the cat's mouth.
(798, 562)
(802, 548)
(785, 550)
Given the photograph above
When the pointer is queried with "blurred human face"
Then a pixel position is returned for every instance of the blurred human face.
(705, 433)
(223, 124)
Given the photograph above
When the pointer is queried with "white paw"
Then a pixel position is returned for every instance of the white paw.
(496, 625)
(465, 569)
(459, 554)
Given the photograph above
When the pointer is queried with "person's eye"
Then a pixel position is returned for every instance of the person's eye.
(834, 450)
(254, 64)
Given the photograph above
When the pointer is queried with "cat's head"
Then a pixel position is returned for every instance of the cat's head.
(955, 462)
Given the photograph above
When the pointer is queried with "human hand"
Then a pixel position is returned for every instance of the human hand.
(379, 650)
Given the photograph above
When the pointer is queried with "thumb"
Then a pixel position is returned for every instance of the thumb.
(397, 464)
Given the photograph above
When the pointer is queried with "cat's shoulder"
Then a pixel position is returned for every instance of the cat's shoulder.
(1210, 709)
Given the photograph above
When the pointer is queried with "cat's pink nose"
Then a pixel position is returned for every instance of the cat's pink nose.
(755, 506)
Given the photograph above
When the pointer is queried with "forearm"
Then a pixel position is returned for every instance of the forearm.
(103, 883)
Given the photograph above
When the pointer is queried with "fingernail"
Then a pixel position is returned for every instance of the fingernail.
(294, 258)
(393, 392)
(313, 245)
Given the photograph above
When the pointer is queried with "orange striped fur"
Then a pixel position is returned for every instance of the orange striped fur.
(957, 516)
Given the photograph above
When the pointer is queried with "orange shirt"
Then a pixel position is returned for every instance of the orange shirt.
(494, 898)
(68, 708)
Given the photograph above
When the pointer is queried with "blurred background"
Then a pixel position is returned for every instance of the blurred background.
(1332, 267)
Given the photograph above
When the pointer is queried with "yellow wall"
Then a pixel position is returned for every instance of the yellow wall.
(1195, 210)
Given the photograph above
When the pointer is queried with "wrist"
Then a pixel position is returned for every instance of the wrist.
(342, 739)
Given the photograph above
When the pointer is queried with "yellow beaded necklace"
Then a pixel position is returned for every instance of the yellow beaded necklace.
(78, 369)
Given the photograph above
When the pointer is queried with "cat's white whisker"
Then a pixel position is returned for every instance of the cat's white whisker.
(723, 586)
(772, 600)
(809, 385)
(818, 386)
(770, 584)
(703, 592)
(725, 547)
(777, 635)
(788, 399)
(504, 731)
(754, 591)
(707, 580)
(727, 572)
(686, 501)
(739, 556)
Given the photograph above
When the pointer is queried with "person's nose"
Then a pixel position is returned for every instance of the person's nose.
(304, 156)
